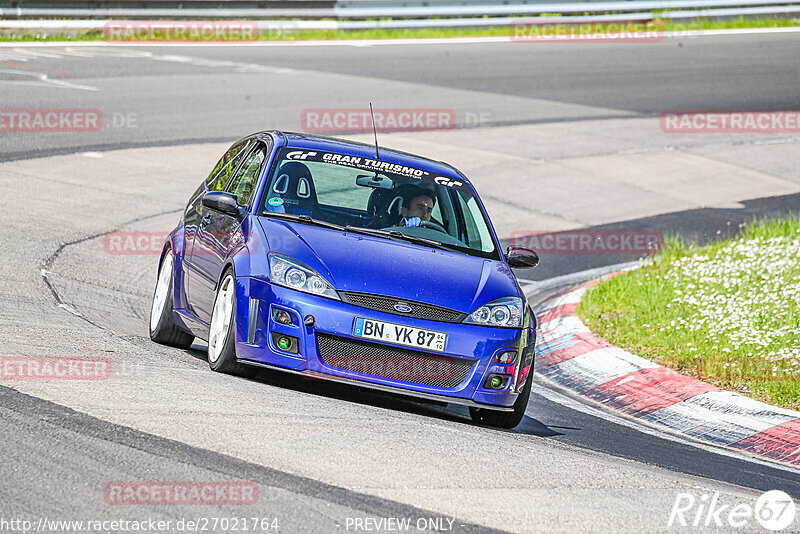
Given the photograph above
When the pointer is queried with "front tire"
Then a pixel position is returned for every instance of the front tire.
(222, 332)
(499, 419)
(162, 325)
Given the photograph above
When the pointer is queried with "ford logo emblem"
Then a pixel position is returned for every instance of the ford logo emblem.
(402, 308)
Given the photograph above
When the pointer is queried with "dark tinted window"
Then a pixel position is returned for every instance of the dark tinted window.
(245, 180)
(224, 169)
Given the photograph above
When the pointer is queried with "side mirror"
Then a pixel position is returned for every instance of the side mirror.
(521, 257)
(223, 202)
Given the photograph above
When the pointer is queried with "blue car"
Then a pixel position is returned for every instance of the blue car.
(353, 263)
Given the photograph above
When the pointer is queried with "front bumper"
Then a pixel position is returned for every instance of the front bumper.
(471, 348)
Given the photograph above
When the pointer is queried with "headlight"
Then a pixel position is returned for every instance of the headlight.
(505, 312)
(284, 271)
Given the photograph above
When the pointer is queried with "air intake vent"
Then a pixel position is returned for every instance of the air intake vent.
(406, 308)
(393, 362)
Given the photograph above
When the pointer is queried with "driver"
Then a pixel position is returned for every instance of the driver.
(417, 207)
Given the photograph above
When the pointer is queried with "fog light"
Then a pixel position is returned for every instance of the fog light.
(495, 381)
(282, 316)
(506, 357)
(285, 343)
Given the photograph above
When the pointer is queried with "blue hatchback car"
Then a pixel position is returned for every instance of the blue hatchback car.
(353, 263)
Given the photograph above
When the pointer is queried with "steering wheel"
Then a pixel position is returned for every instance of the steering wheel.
(433, 226)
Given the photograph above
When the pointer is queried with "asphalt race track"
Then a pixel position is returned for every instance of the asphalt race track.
(555, 137)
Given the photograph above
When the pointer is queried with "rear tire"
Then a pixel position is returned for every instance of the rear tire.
(500, 419)
(222, 332)
(162, 325)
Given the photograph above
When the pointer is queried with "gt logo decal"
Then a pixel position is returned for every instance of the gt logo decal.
(448, 182)
(299, 154)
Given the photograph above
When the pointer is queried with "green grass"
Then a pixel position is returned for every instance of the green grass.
(727, 313)
(422, 33)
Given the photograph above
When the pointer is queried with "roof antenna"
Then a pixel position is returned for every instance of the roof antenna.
(375, 131)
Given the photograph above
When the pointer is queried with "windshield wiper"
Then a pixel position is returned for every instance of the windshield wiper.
(304, 219)
(392, 234)
(396, 234)
(367, 231)
(418, 240)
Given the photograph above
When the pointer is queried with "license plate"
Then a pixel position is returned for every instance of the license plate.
(399, 334)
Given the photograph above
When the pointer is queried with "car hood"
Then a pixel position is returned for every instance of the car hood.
(353, 262)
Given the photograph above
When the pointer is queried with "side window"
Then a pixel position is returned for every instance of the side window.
(477, 235)
(224, 169)
(245, 180)
(445, 212)
(473, 236)
(437, 211)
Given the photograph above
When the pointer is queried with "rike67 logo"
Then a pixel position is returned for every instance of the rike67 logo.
(774, 511)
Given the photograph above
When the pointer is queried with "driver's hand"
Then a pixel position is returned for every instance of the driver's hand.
(412, 222)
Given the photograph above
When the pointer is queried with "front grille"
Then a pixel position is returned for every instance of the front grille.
(392, 362)
(419, 310)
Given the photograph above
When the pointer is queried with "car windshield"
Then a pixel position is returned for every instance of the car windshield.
(377, 198)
